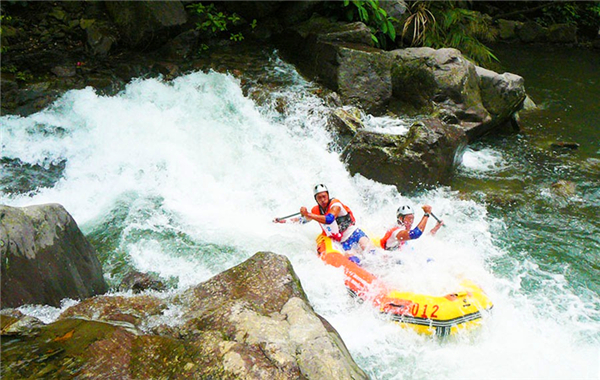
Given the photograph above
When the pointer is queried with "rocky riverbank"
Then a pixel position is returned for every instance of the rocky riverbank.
(251, 321)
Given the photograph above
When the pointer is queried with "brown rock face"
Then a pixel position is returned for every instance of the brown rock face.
(252, 321)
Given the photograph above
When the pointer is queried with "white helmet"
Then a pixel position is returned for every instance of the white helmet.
(404, 210)
(319, 189)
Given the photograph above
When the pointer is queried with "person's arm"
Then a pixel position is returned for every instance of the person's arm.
(416, 232)
(435, 229)
(323, 219)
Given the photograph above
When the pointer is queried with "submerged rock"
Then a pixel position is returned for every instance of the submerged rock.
(138, 281)
(565, 145)
(13, 322)
(45, 257)
(564, 188)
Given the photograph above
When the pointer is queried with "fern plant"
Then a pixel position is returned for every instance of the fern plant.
(445, 24)
(420, 20)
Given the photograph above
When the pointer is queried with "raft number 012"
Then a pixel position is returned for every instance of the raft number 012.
(414, 310)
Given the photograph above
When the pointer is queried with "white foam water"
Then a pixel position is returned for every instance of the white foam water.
(483, 161)
(193, 162)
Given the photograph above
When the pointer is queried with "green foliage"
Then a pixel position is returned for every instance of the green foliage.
(236, 37)
(4, 19)
(216, 22)
(202, 49)
(24, 76)
(376, 18)
(8, 69)
(446, 24)
(566, 13)
(584, 14)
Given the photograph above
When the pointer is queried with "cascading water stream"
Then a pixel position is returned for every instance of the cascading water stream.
(183, 179)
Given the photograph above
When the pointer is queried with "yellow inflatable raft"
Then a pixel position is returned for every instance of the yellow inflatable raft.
(439, 315)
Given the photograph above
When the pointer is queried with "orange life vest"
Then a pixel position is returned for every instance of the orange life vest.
(389, 234)
(340, 224)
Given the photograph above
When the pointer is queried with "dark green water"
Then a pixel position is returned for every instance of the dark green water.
(557, 232)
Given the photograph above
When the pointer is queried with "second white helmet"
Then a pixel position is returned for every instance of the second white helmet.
(404, 210)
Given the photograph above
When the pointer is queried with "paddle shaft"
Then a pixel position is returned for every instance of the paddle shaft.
(436, 218)
(288, 216)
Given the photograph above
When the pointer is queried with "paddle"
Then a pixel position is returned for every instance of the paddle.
(286, 217)
(436, 218)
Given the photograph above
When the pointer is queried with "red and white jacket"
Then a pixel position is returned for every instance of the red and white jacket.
(343, 226)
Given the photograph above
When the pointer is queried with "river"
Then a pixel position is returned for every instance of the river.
(183, 179)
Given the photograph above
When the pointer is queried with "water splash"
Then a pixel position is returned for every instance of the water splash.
(183, 178)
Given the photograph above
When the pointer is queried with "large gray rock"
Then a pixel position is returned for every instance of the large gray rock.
(143, 22)
(100, 37)
(532, 32)
(363, 77)
(266, 326)
(341, 56)
(442, 82)
(252, 321)
(447, 76)
(45, 257)
(502, 95)
(562, 33)
(507, 29)
(426, 156)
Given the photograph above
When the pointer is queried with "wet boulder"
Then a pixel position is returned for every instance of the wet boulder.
(507, 29)
(100, 36)
(426, 156)
(13, 322)
(256, 320)
(562, 33)
(446, 85)
(502, 96)
(142, 23)
(88, 349)
(117, 309)
(344, 123)
(442, 80)
(138, 282)
(45, 257)
(252, 321)
(531, 31)
(341, 56)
